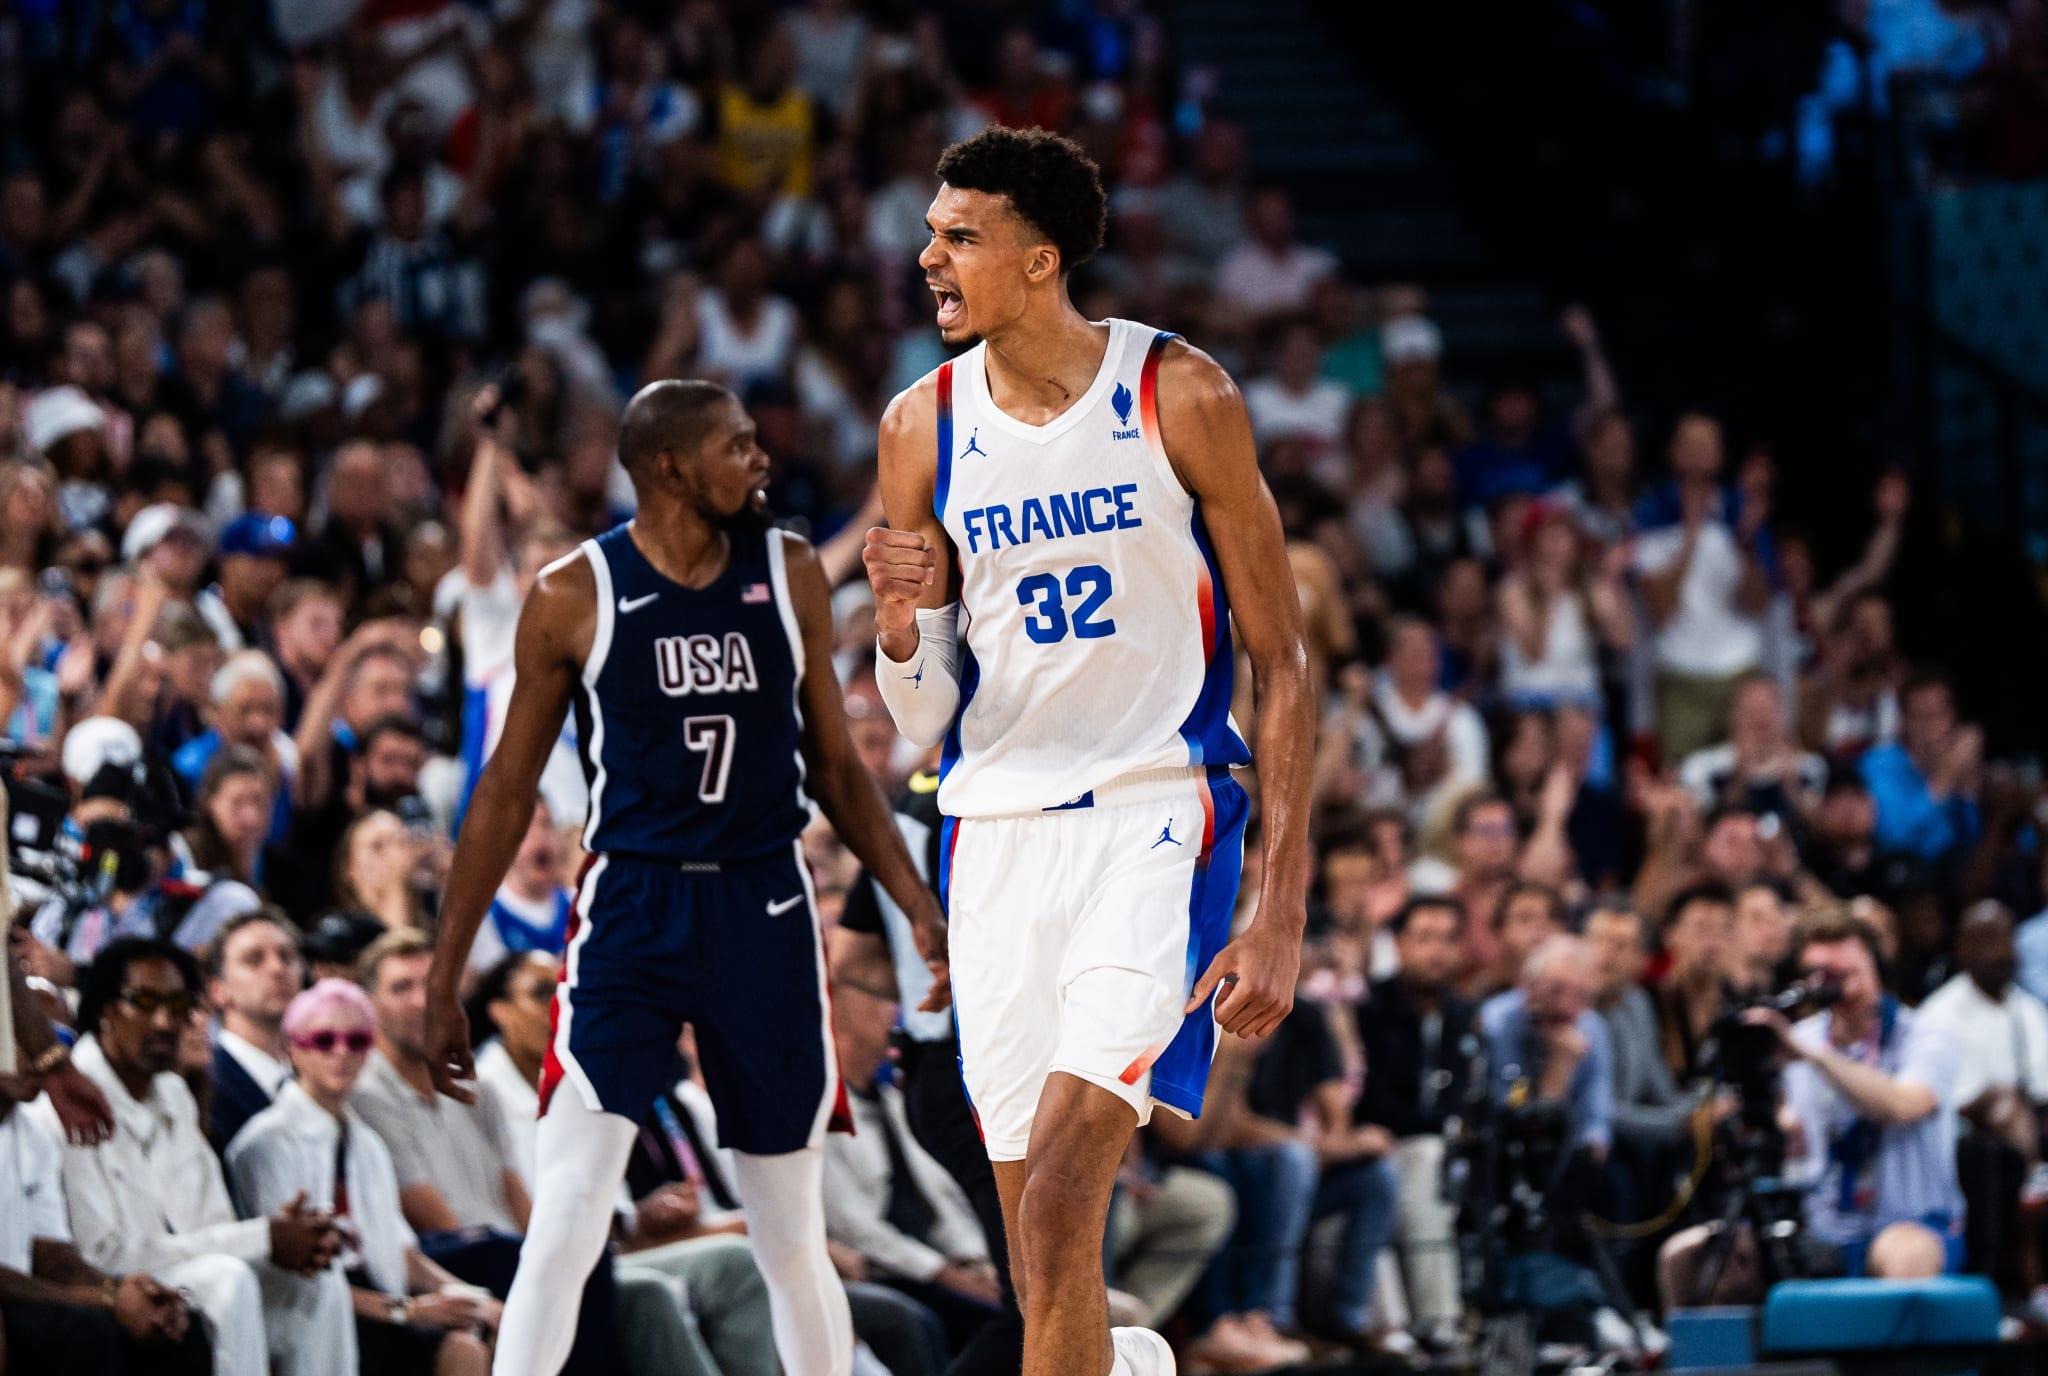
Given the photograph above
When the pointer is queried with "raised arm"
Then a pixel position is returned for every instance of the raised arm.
(1208, 436)
(841, 783)
(910, 567)
(554, 636)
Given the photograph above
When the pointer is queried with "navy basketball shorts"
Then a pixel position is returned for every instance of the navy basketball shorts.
(1076, 936)
(734, 951)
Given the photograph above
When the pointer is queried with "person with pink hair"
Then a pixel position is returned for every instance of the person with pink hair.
(412, 1317)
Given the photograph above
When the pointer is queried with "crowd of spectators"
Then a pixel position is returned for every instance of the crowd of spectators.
(1603, 745)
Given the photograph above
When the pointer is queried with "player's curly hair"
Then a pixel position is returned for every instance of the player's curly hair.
(1049, 180)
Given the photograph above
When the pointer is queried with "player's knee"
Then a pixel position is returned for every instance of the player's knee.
(1906, 1251)
(1058, 1231)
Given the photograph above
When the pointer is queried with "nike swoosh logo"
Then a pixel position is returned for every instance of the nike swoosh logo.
(778, 909)
(634, 604)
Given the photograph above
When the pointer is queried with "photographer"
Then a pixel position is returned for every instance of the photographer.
(1869, 1126)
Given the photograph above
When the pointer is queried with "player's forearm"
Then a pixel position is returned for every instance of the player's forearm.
(920, 685)
(1285, 758)
(492, 830)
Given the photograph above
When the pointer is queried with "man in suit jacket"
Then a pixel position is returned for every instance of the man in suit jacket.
(1652, 1115)
(1415, 1028)
(253, 971)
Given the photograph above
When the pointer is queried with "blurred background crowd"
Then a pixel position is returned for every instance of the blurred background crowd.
(1641, 680)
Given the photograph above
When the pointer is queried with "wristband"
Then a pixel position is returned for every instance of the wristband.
(52, 1058)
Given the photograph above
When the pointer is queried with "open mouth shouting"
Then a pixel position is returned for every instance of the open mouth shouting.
(952, 310)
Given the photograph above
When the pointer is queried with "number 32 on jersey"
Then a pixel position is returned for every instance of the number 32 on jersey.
(1046, 594)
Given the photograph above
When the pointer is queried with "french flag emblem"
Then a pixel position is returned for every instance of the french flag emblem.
(754, 592)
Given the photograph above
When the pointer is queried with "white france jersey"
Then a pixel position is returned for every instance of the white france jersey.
(1094, 631)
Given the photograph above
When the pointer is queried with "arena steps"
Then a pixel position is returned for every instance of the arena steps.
(1363, 181)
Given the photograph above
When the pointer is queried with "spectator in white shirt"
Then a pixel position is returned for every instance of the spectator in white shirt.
(1270, 274)
(253, 971)
(412, 1318)
(887, 1199)
(1760, 767)
(57, 1311)
(1700, 561)
(153, 1199)
(1294, 401)
(1998, 1036)
(745, 333)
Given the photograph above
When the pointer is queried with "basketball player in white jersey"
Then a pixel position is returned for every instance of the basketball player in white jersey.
(1075, 510)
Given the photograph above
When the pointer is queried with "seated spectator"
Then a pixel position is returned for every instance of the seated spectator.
(216, 864)
(888, 1200)
(1763, 938)
(1293, 402)
(152, 1198)
(253, 972)
(1270, 274)
(1760, 767)
(678, 1148)
(1698, 934)
(246, 709)
(1486, 838)
(58, 1312)
(1545, 1044)
(255, 555)
(1270, 1169)
(1924, 785)
(1166, 1224)
(1651, 1116)
(1998, 1033)
(411, 1317)
(1528, 915)
(1868, 1092)
(1701, 563)
(1412, 1029)
(376, 872)
(1842, 847)
(460, 1187)
(531, 909)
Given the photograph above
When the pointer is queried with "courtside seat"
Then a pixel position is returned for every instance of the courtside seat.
(1861, 1315)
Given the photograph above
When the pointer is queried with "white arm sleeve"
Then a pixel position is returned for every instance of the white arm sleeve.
(923, 691)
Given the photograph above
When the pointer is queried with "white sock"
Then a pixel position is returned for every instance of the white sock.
(580, 1157)
(785, 1201)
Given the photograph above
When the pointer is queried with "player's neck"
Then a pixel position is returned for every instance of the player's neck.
(1045, 360)
(683, 547)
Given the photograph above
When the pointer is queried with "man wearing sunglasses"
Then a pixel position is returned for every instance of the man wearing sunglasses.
(152, 1198)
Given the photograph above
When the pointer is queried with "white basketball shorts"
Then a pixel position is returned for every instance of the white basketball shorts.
(1078, 933)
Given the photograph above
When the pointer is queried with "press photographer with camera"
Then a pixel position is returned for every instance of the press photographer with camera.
(1870, 1129)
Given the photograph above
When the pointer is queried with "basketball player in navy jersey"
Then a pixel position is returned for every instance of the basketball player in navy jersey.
(694, 644)
(1075, 509)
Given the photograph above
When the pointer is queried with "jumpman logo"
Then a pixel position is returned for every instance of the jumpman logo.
(1165, 835)
(973, 447)
(916, 680)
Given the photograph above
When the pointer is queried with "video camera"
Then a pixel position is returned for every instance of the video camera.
(1744, 1056)
(50, 861)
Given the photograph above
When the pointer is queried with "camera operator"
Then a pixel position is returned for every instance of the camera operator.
(101, 762)
(1868, 1123)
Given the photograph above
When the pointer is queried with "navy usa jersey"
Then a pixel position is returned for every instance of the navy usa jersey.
(687, 712)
